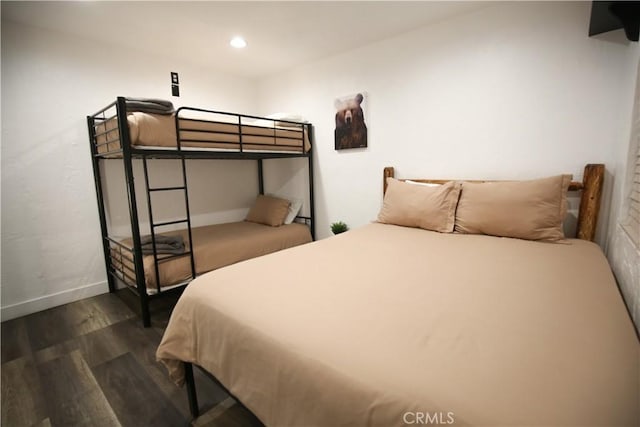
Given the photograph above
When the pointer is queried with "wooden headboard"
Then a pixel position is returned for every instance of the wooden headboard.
(591, 188)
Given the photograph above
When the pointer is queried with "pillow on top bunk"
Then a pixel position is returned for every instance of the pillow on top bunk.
(268, 210)
(531, 210)
(288, 117)
(421, 206)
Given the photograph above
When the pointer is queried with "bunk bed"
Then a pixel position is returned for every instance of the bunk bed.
(127, 129)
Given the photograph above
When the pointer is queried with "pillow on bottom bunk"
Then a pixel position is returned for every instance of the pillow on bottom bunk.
(294, 207)
(268, 210)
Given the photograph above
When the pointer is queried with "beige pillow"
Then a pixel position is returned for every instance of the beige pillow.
(410, 205)
(532, 210)
(268, 210)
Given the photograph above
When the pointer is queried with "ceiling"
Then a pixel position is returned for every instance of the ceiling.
(280, 35)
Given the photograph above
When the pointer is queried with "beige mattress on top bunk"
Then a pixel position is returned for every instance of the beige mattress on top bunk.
(216, 246)
(158, 131)
(383, 323)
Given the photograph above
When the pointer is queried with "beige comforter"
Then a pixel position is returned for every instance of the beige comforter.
(219, 245)
(383, 323)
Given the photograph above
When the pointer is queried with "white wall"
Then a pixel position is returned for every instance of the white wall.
(517, 90)
(513, 91)
(51, 249)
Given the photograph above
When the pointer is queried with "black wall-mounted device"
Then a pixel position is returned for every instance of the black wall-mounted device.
(175, 84)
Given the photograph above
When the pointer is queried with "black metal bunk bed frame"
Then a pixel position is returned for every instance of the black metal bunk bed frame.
(115, 261)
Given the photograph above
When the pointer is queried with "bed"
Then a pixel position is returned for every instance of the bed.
(205, 130)
(393, 325)
(214, 246)
(141, 130)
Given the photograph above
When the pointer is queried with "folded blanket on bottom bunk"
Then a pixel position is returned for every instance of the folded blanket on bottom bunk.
(164, 244)
(149, 105)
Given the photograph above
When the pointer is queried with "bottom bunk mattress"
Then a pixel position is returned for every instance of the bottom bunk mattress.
(388, 325)
(216, 246)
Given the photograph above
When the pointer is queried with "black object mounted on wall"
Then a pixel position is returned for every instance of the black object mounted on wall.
(612, 15)
(175, 84)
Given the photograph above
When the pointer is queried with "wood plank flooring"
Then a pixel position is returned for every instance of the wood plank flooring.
(91, 363)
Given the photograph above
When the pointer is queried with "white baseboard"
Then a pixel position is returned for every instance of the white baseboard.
(12, 311)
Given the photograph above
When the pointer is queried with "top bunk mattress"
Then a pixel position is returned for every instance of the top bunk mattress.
(155, 131)
(381, 323)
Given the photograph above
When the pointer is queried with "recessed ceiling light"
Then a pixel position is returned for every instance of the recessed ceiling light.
(238, 42)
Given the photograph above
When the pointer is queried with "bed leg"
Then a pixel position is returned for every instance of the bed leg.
(111, 282)
(144, 311)
(146, 319)
(191, 390)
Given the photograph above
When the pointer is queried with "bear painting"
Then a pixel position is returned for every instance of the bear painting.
(351, 130)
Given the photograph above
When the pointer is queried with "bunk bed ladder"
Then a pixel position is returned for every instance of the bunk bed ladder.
(154, 225)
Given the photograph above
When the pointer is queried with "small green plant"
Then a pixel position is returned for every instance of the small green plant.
(339, 227)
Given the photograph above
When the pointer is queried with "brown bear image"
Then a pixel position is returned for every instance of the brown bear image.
(351, 131)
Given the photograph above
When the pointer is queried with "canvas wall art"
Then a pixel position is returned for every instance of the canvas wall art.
(351, 129)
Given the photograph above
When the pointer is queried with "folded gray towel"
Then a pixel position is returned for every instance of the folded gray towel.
(149, 105)
(164, 245)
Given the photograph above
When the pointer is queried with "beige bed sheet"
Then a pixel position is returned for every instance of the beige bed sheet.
(380, 323)
(219, 245)
(155, 130)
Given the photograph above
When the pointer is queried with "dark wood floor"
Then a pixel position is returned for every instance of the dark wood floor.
(91, 363)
